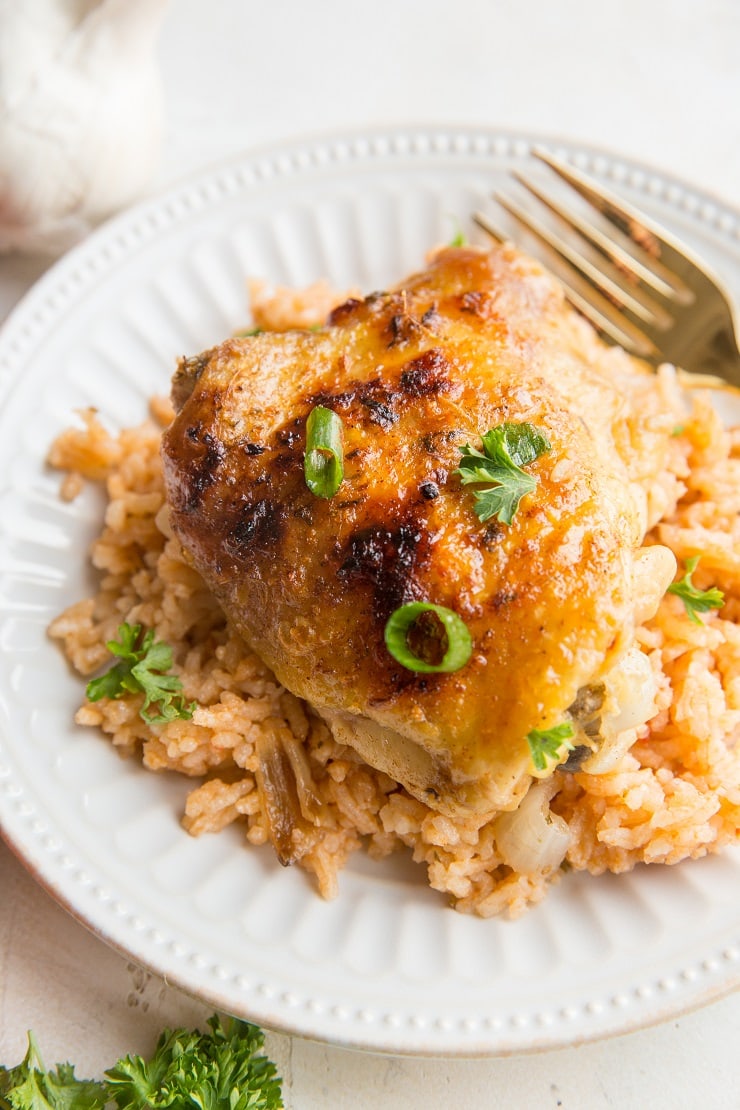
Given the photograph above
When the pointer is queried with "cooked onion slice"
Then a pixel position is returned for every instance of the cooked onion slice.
(611, 752)
(532, 839)
(281, 795)
(630, 693)
(629, 702)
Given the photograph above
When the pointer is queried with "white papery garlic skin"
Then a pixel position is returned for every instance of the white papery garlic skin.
(81, 115)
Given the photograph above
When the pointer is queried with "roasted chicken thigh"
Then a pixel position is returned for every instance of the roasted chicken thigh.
(475, 341)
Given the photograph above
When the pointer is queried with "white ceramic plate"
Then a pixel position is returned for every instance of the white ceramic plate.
(386, 966)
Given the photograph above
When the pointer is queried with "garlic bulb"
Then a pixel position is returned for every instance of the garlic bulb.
(80, 115)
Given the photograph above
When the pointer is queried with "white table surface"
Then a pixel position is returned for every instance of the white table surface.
(656, 80)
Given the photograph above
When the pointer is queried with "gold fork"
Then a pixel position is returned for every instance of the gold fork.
(635, 281)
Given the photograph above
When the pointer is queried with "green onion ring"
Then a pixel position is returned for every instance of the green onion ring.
(401, 622)
(323, 463)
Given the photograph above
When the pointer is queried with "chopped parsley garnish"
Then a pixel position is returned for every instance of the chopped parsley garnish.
(696, 601)
(220, 1070)
(459, 239)
(247, 333)
(143, 670)
(506, 449)
(547, 746)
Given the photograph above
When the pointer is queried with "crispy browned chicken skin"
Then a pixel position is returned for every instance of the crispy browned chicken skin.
(551, 601)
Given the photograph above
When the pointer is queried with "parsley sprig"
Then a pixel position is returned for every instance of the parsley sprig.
(208, 1070)
(547, 746)
(29, 1086)
(142, 670)
(498, 468)
(696, 601)
(220, 1070)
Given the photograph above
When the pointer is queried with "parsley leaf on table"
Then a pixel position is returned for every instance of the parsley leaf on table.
(29, 1086)
(696, 601)
(142, 669)
(506, 449)
(221, 1070)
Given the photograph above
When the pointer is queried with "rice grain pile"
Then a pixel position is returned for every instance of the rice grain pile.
(674, 794)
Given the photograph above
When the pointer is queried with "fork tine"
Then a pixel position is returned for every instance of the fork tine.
(623, 333)
(649, 239)
(595, 308)
(624, 260)
(647, 311)
(487, 225)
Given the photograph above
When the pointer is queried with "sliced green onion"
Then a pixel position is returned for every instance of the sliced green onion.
(323, 464)
(425, 637)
